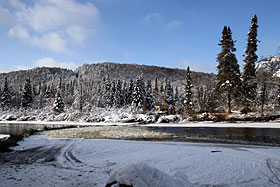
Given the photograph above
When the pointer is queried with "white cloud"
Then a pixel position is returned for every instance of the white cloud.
(152, 18)
(43, 62)
(174, 24)
(51, 24)
(50, 62)
(5, 16)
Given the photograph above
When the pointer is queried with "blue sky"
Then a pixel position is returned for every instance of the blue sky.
(169, 33)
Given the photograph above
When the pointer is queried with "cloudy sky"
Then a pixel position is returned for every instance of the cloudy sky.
(170, 33)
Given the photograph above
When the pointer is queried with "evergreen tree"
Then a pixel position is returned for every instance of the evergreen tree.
(111, 101)
(58, 105)
(6, 96)
(177, 98)
(249, 74)
(106, 87)
(169, 97)
(161, 87)
(118, 95)
(188, 100)
(228, 77)
(278, 96)
(124, 93)
(149, 96)
(138, 94)
(27, 99)
(156, 92)
(129, 92)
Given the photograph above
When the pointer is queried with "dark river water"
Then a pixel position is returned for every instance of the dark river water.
(14, 128)
(258, 135)
(203, 134)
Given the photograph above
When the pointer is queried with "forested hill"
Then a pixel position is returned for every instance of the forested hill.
(94, 73)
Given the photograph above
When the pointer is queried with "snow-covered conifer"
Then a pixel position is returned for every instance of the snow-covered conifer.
(118, 100)
(188, 94)
(176, 97)
(27, 99)
(156, 92)
(111, 99)
(106, 87)
(249, 72)
(149, 96)
(169, 97)
(129, 92)
(138, 94)
(6, 96)
(228, 77)
(58, 105)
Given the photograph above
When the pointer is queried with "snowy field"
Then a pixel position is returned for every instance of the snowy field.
(45, 161)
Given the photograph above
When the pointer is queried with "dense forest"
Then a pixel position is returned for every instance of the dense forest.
(149, 88)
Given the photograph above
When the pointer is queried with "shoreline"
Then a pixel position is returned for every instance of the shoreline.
(184, 125)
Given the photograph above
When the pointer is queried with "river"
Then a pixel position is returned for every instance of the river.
(202, 134)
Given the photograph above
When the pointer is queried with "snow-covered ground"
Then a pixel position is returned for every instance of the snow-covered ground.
(4, 136)
(45, 161)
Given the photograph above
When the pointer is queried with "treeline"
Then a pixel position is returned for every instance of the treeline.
(246, 91)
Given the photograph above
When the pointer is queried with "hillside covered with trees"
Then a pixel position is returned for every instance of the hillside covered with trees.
(150, 89)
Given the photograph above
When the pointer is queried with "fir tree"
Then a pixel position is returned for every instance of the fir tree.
(58, 105)
(27, 99)
(228, 77)
(169, 97)
(111, 101)
(106, 87)
(249, 74)
(124, 93)
(129, 92)
(188, 100)
(118, 95)
(149, 96)
(156, 92)
(138, 94)
(176, 98)
(6, 96)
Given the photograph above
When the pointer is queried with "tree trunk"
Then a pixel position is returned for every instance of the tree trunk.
(228, 101)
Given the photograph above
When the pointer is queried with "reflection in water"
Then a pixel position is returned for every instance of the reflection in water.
(14, 129)
(263, 135)
(260, 135)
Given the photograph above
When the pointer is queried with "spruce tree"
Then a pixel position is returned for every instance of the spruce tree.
(129, 92)
(27, 99)
(188, 100)
(106, 87)
(249, 73)
(118, 95)
(149, 96)
(228, 77)
(6, 96)
(169, 97)
(156, 92)
(138, 94)
(176, 97)
(58, 105)
(111, 101)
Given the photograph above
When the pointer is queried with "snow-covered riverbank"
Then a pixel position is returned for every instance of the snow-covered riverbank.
(45, 161)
